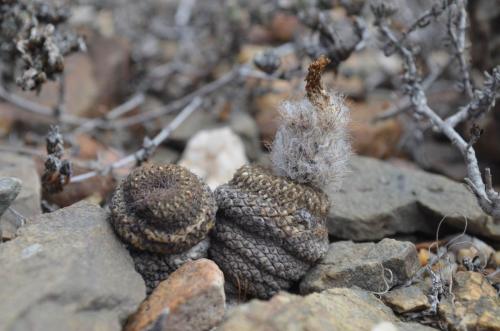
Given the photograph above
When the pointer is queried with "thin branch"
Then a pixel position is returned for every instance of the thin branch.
(28, 151)
(487, 197)
(135, 101)
(482, 100)
(404, 103)
(148, 147)
(227, 78)
(425, 19)
(457, 37)
(179, 103)
(38, 109)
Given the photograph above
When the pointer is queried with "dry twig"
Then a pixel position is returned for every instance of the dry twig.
(149, 145)
(487, 197)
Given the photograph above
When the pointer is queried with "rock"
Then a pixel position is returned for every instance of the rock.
(249, 51)
(378, 200)
(238, 120)
(67, 271)
(407, 299)
(81, 91)
(347, 264)
(284, 26)
(93, 80)
(469, 248)
(111, 65)
(192, 298)
(380, 139)
(266, 108)
(486, 146)
(27, 202)
(495, 259)
(370, 67)
(339, 309)
(165, 155)
(439, 157)
(7, 118)
(475, 305)
(9, 189)
(214, 155)
(244, 126)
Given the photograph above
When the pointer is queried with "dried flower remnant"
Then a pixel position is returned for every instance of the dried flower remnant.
(57, 171)
(312, 144)
(267, 61)
(164, 213)
(35, 32)
(271, 225)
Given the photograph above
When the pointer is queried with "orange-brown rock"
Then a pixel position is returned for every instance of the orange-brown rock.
(267, 105)
(93, 80)
(284, 26)
(81, 90)
(379, 139)
(192, 298)
(474, 306)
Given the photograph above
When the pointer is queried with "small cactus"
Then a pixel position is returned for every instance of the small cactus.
(164, 214)
(271, 223)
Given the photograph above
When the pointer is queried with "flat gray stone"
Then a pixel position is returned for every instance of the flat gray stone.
(9, 189)
(67, 271)
(347, 264)
(379, 200)
(27, 202)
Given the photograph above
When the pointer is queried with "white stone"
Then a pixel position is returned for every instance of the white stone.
(214, 155)
(385, 326)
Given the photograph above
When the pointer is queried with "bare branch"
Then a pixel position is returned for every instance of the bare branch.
(487, 197)
(135, 101)
(482, 100)
(37, 108)
(404, 103)
(149, 146)
(457, 37)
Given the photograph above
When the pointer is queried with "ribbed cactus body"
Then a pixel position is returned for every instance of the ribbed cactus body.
(269, 231)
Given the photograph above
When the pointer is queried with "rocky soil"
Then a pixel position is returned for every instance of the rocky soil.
(409, 246)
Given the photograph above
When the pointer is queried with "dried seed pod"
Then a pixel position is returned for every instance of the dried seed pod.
(163, 212)
(270, 230)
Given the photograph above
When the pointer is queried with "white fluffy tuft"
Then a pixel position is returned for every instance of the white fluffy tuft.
(312, 145)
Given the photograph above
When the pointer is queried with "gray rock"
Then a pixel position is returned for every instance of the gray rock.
(9, 189)
(339, 309)
(347, 264)
(67, 271)
(165, 155)
(27, 202)
(378, 200)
